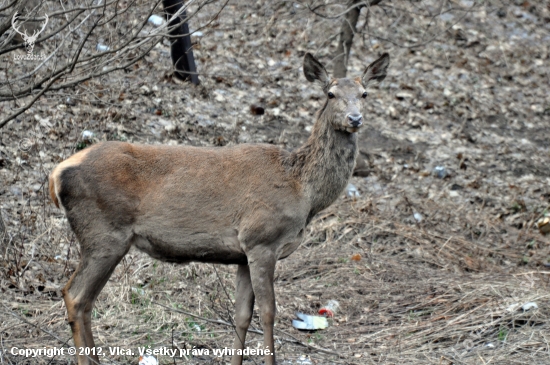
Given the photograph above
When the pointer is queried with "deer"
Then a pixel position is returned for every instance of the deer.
(247, 204)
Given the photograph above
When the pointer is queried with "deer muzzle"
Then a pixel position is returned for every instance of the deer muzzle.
(355, 120)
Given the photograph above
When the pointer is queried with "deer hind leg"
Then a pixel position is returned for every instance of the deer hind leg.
(244, 305)
(84, 286)
(262, 270)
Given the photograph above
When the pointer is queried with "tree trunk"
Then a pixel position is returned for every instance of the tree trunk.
(181, 49)
(3, 237)
(347, 31)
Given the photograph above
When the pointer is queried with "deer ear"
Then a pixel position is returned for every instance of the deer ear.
(376, 71)
(314, 70)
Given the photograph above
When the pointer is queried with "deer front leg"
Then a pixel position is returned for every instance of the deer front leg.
(244, 305)
(262, 269)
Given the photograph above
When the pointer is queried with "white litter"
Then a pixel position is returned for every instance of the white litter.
(529, 305)
(156, 20)
(101, 47)
(352, 192)
(147, 360)
(87, 135)
(512, 307)
(138, 290)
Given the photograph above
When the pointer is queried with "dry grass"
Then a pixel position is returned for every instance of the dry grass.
(417, 295)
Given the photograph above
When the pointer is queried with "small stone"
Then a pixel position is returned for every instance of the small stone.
(456, 187)
(537, 108)
(404, 95)
(426, 67)
(145, 90)
(15, 190)
(170, 128)
(544, 225)
(440, 172)
(392, 112)
(204, 122)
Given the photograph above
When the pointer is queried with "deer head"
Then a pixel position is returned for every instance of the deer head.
(345, 97)
(29, 39)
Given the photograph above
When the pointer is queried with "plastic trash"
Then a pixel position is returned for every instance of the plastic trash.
(418, 217)
(87, 135)
(329, 309)
(303, 360)
(102, 48)
(307, 322)
(529, 305)
(147, 360)
(156, 20)
(512, 307)
(138, 290)
(352, 192)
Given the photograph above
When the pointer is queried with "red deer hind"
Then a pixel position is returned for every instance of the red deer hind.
(246, 205)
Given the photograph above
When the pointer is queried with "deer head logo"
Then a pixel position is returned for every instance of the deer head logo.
(29, 39)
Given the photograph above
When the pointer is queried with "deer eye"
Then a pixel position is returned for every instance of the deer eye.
(330, 95)
(364, 95)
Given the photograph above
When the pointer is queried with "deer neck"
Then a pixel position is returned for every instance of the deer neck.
(324, 164)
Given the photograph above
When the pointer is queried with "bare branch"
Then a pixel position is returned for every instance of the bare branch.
(77, 32)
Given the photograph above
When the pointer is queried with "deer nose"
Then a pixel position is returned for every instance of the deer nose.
(355, 120)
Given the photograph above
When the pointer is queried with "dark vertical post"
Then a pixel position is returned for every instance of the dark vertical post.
(180, 49)
(347, 31)
(3, 238)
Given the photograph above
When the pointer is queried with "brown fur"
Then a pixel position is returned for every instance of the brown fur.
(246, 205)
(51, 185)
(54, 179)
